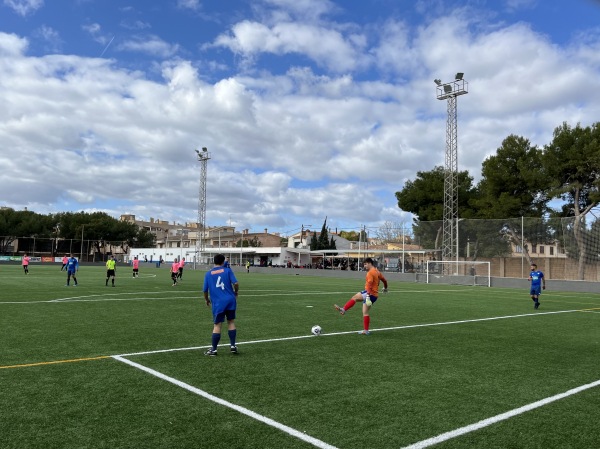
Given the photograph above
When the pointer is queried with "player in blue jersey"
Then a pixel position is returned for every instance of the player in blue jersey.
(226, 263)
(72, 268)
(538, 283)
(221, 290)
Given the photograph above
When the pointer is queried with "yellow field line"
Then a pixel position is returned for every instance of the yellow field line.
(53, 362)
(593, 308)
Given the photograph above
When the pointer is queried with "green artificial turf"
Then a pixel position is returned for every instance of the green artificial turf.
(439, 358)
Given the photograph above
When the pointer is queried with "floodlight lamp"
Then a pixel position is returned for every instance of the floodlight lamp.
(438, 82)
(204, 149)
(447, 88)
(459, 76)
(197, 152)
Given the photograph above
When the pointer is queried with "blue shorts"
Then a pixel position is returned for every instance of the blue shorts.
(364, 295)
(71, 272)
(220, 317)
(535, 291)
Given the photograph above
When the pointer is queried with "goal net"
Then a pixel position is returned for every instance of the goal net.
(461, 272)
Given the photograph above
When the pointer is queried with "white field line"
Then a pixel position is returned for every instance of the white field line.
(286, 429)
(501, 417)
(193, 294)
(196, 294)
(299, 337)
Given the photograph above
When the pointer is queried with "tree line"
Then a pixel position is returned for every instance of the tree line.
(520, 180)
(97, 227)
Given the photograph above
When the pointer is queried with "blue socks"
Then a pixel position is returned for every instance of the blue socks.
(232, 334)
(215, 340)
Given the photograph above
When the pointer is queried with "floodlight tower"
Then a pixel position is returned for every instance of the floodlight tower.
(450, 91)
(203, 157)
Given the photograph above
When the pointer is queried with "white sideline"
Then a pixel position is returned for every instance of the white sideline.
(409, 326)
(420, 445)
(290, 431)
(501, 417)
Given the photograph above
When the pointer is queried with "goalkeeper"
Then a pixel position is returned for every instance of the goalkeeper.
(368, 296)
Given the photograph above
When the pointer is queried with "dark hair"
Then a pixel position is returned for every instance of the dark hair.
(368, 260)
(219, 259)
(534, 265)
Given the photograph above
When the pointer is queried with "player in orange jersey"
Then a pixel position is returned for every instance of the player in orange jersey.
(368, 296)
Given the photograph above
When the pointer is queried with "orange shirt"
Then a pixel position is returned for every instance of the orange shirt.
(372, 281)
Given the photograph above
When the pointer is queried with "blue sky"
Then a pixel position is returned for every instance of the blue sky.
(310, 108)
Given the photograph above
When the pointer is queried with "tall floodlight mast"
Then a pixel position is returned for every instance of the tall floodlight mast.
(450, 91)
(203, 157)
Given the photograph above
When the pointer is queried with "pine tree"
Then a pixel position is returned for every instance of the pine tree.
(323, 237)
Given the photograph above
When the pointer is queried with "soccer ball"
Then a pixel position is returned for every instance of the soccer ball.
(316, 330)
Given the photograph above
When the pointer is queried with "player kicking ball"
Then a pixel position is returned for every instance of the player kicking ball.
(368, 296)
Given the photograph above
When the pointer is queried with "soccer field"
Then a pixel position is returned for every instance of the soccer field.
(445, 366)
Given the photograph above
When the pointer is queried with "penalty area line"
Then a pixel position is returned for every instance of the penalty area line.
(286, 429)
(498, 418)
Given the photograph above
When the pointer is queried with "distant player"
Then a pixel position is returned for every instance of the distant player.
(65, 259)
(72, 268)
(248, 267)
(221, 290)
(174, 272)
(111, 269)
(180, 269)
(226, 263)
(136, 267)
(25, 263)
(538, 283)
(368, 296)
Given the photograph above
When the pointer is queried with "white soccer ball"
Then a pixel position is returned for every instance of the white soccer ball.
(316, 330)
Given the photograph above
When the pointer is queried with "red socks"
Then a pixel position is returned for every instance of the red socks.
(366, 322)
(350, 304)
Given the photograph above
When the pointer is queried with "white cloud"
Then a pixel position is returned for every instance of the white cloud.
(189, 4)
(327, 47)
(95, 30)
(12, 45)
(515, 5)
(295, 144)
(51, 37)
(24, 7)
(135, 25)
(151, 45)
(305, 10)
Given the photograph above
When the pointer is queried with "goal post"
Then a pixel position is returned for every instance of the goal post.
(461, 272)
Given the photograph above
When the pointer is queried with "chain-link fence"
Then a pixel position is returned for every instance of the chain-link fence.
(84, 250)
(564, 248)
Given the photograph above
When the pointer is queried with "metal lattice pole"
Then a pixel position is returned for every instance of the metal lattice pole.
(203, 157)
(449, 91)
(449, 249)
